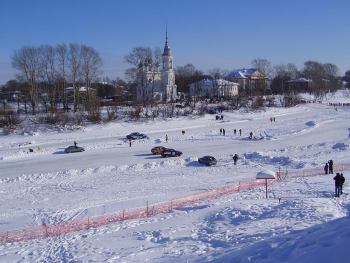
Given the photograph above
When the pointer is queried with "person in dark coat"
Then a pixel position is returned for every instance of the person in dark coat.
(240, 132)
(235, 158)
(330, 166)
(234, 131)
(326, 169)
(166, 137)
(342, 181)
(75, 144)
(220, 131)
(251, 135)
(223, 132)
(129, 142)
(337, 181)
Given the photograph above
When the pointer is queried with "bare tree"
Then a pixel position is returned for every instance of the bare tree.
(62, 53)
(263, 65)
(134, 58)
(185, 75)
(90, 67)
(27, 62)
(217, 73)
(74, 64)
(332, 73)
(49, 74)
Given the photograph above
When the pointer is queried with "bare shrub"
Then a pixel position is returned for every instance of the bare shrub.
(9, 120)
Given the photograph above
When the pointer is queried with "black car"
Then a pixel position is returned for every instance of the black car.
(171, 153)
(136, 136)
(74, 149)
(207, 160)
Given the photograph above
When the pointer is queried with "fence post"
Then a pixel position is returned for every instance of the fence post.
(147, 209)
(45, 228)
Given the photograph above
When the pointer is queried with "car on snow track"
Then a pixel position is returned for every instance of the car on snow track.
(74, 149)
(171, 153)
(207, 160)
(158, 150)
(136, 136)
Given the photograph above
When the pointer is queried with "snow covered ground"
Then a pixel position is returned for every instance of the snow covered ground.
(300, 222)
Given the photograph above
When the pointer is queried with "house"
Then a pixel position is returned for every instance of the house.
(300, 84)
(82, 92)
(250, 80)
(214, 88)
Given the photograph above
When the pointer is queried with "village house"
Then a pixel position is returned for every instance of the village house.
(250, 80)
(214, 88)
(300, 84)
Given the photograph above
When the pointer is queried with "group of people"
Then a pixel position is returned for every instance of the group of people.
(339, 178)
(235, 131)
(339, 181)
(272, 119)
(222, 131)
(219, 117)
(328, 168)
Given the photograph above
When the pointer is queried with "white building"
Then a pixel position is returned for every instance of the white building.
(216, 88)
(154, 85)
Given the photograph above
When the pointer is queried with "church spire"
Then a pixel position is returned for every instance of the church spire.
(167, 51)
(166, 34)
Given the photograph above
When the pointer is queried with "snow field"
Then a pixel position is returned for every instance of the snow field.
(46, 187)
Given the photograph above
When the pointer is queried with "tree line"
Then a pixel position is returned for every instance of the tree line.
(46, 71)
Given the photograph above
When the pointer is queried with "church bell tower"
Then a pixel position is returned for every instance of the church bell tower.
(168, 74)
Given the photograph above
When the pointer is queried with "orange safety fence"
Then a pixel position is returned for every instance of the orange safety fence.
(75, 225)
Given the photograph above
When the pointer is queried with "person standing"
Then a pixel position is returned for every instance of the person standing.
(337, 181)
(342, 181)
(166, 138)
(234, 131)
(220, 131)
(223, 132)
(326, 169)
(129, 142)
(75, 144)
(251, 135)
(240, 132)
(330, 166)
(235, 158)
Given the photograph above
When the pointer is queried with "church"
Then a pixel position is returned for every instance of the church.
(154, 84)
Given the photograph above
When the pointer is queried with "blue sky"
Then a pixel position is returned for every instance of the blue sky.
(227, 34)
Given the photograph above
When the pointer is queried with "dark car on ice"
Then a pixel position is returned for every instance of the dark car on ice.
(207, 160)
(158, 150)
(74, 149)
(171, 153)
(136, 136)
